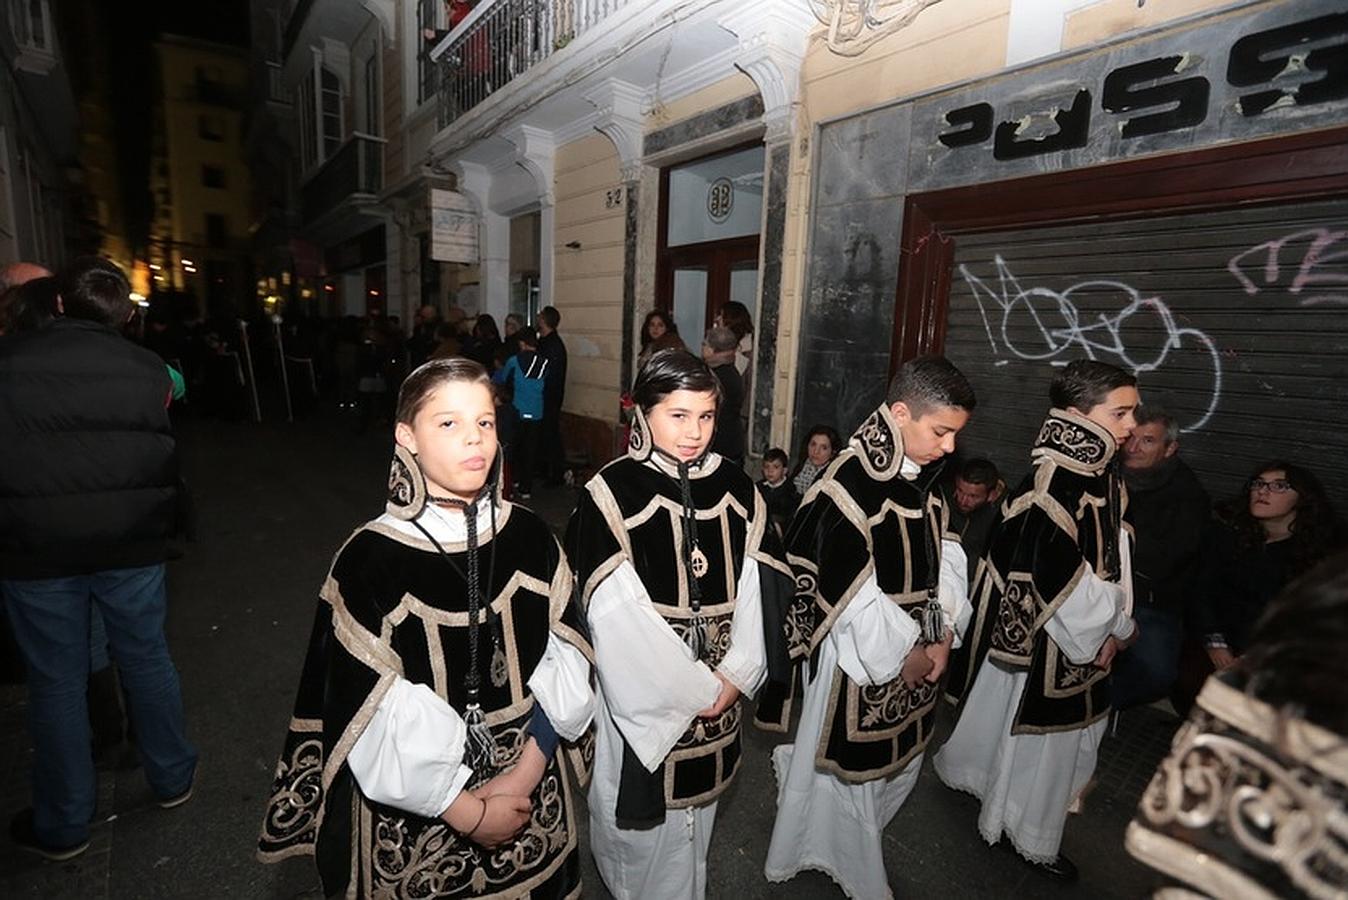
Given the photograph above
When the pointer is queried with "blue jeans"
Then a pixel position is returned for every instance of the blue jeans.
(1147, 670)
(50, 617)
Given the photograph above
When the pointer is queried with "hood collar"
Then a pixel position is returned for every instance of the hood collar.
(1075, 443)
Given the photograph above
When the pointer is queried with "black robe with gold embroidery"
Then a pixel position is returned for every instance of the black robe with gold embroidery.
(1060, 523)
(390, 607)
(1251, 802)
(863, 517)
(631, 512)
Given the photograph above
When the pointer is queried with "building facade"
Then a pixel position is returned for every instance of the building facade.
(1017, 184)
(199, 177)
(41, 198)
(860, 175)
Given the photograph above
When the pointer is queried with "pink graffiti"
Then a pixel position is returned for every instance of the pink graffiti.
(1311, 279)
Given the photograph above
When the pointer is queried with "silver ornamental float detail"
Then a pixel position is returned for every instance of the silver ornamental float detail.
(853, 25)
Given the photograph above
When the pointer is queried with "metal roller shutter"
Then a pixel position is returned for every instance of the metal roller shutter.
(1234, 320)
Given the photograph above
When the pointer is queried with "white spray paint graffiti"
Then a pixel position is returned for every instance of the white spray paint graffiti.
(1319, 253)
(1060, 331)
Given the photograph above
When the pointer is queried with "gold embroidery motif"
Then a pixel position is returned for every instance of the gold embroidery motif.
(1275, 802)
(407, 857)
(293, 810)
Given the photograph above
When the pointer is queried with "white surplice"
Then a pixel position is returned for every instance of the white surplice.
(1027, 781)
(826, 823)
(650, 690)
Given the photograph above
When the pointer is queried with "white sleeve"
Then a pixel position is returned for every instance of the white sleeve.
(561, 684)
(1094, 611)
(873, 635)
(745, 664)
(653, 686)
(410, 755)
(952, 590)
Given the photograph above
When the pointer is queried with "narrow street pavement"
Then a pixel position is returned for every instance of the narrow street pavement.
(274, 502)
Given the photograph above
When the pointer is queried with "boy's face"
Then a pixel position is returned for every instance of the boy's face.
(773, 470)
(928, 437)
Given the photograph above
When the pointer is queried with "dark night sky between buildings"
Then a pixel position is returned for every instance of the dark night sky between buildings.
(131, 28)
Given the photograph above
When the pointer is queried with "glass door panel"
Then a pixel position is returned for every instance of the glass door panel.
(690, 305)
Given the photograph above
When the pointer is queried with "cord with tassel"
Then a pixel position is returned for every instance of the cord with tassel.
(696, 636)
(480, 749)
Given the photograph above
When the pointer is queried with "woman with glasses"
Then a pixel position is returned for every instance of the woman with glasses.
(1279, 526)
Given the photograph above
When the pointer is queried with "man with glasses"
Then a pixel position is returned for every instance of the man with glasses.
(1170, 512)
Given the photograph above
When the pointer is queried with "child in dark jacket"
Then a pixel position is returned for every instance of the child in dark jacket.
(524, 373)
(778, 492)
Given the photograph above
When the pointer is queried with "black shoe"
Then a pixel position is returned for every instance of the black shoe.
(1062, 869)
(22, 834)
(180, 798)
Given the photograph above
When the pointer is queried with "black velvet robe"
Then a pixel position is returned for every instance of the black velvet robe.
(631, 511)
(864, 517)
(391, 606)
(1061, 522)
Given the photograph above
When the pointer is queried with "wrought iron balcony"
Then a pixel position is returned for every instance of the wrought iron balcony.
(499, 41)
(354, 172)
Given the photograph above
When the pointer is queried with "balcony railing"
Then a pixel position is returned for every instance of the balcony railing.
(355, 170)
(500, 40)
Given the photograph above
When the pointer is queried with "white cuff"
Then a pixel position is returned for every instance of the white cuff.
(561, 685)
(410, 755)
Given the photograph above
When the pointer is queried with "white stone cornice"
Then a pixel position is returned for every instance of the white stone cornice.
(474, 181)
(617, 116)
(535, 149)
(772, 37)
(383, 11)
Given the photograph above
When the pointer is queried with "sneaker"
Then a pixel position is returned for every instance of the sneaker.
(178, 799)
(22, 834)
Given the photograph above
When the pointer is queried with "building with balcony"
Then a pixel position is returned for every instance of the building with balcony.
(837, 165)
(330, 66)
(647, 144)
(199, 178)
(611, 157)
(41, 188)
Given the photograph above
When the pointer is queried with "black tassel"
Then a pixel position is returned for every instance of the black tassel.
(480, 747)
(933, 622)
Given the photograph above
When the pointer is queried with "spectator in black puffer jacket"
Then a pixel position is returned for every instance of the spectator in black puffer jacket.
(88, 501)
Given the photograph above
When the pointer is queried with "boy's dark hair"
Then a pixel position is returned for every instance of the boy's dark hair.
(673, 370)
(980, 471)
(427, 377)
(526, 336)
(551, 316)
(777, 455)
(925, 383)
(95, 289)
(1084, 384)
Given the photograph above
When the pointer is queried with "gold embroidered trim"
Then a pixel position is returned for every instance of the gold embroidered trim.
(879, 444)
(1179, 860)
(355, 728)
